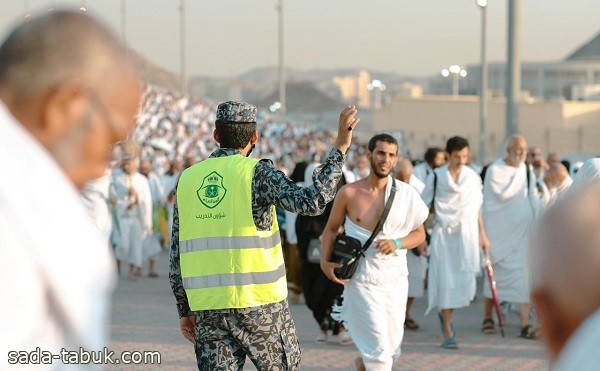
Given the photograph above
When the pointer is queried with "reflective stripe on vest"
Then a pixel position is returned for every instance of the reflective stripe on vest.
(236, 279)
(226, 262)
(246, 242)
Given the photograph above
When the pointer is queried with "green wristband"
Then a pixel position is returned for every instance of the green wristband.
(398, 243)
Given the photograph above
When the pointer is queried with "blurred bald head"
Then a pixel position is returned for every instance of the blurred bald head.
(566, 265)
(516, 150)
(47, 51)
(553, 158)
(68, 81)
(556, 175)
(404, 169)
(559, 170)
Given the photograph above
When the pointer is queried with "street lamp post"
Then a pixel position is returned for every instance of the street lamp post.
(513, 78)
(183, 79)
(457, 72)
(483, 83)
(282, 96)
(378, 86)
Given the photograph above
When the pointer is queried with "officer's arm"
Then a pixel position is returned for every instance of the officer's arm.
(273, 187)
(175, 269)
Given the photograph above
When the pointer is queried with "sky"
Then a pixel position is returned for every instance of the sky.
(409, 37)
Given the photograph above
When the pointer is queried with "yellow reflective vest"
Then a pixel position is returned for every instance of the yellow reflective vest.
(226, 262)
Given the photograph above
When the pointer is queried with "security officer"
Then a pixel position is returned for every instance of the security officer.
(227, 270)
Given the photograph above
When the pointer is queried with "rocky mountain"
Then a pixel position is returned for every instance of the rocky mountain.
(311, 90)
(152, 74)
(302, 97)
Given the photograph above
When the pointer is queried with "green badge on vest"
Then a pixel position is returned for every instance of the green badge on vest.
(212, 191)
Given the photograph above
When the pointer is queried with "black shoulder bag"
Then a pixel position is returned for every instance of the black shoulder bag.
(348, 250)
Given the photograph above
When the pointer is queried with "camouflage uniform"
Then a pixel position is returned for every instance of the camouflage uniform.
(225, 337)
(265, 333)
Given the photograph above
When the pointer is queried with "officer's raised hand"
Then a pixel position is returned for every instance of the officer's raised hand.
(347, 123)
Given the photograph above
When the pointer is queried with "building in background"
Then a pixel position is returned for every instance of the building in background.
(353, 88)
(577, 77)
(567, 127)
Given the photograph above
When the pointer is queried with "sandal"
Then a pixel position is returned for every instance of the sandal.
(321, 339)
(529, 332)
(410, 324)
(488, 327)
(449, 343)
(344, 338)
(357, 364)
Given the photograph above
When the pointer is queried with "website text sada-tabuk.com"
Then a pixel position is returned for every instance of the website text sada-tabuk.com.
(82, 356)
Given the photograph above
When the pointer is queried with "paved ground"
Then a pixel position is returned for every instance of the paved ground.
(145, 319)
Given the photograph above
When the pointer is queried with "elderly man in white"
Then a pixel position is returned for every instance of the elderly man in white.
(510, 207)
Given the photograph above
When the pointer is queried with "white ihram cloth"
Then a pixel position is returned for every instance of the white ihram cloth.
(417, 270)
(556, 193)
(157, 190)
(581, 350)
(588, 172)
(454, 259)
(94, 196)
(509, 211)
(151, 245)
(416, 183)
(374, 300)
(422, 171)
(136, 222)
(417, 265)
(56, 273)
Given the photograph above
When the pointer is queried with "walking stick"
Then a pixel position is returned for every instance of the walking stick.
(492, 281)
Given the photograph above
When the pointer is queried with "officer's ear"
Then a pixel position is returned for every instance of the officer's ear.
(216, 136)
(255, 137)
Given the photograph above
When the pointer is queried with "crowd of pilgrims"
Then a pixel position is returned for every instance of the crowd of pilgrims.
(173, 132)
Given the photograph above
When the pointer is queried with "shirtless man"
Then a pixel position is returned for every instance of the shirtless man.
(375, 298)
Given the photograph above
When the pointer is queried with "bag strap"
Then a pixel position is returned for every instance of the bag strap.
(379, 226)
(432, 207)
(527, 171)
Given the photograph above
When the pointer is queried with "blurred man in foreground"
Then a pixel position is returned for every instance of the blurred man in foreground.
(67, 94)
(566, 279)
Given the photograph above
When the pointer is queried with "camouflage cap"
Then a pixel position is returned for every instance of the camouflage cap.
(236, 112)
